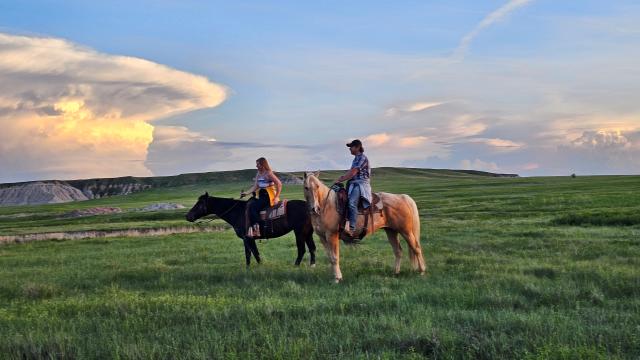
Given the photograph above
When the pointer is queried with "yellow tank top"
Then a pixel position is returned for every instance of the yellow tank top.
(263, 183)
(271, 190)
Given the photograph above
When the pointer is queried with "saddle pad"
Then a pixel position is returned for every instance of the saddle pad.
(274, 212)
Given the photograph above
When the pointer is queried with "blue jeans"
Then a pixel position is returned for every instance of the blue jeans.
(354, 197)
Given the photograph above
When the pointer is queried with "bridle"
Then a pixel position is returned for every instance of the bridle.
(324, 206)
(206, 211)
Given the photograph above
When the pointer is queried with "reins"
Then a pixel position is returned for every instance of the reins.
(199, 222)
(219, 216)
(231, 208)
(324, 206)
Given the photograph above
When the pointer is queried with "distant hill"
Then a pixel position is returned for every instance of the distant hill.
(56, 191)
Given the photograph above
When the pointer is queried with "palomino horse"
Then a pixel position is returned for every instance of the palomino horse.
(399, 216)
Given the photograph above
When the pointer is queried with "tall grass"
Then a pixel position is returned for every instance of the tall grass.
(506, 279)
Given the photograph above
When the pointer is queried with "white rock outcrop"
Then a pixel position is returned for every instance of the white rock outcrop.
(162, 206)
(40, 193)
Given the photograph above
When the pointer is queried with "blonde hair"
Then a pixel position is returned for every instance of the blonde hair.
(265, 164)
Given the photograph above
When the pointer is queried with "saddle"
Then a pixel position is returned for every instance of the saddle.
(342, 204)
(272, 219)
(274, 212)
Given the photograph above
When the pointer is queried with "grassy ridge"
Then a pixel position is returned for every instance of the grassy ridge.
(518, 268)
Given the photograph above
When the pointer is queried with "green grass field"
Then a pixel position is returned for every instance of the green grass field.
(531, 268)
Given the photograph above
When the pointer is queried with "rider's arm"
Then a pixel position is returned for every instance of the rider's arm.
(348, 175)
(253, 188)
(278, 183)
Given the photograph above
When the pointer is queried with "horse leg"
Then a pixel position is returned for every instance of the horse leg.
(299, 245)
(312, 251)
(254, 249)
(311, 245)
(334, 256)
(247, 251)
(415, 252)
(325, 244)
(327, 248)
(392, 235)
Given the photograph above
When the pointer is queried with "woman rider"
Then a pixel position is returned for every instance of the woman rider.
(269, 188)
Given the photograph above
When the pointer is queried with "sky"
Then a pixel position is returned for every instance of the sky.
(148, 88)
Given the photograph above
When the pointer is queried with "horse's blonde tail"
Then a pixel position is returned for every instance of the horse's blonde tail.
(415, 251)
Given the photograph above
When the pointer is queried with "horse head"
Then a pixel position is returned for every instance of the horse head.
(311, 186)
(200, 209)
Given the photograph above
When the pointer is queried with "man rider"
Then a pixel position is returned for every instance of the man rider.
(359, 185)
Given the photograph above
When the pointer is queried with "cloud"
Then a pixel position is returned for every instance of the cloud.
(464, 126)
(603, 140)
(68, 111)
(393, 140)
(176, 149)
(445, 122)
(502, 144)
(174, 135)
(487, 21)
(418, 106)
(188, 151)
(412, 141)
(601, 152)
(569, 128)
(398, 149)
(377, 139)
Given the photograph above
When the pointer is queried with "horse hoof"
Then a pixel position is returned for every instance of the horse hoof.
(337, 281)
(313, 265)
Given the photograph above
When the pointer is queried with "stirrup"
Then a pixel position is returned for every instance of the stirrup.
(256, 231)
(350, 239)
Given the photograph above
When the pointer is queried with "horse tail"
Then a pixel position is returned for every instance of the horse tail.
(415, 251)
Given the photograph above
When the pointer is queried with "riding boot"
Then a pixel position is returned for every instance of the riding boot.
(347, 229)
(349, 232)
(256, 231)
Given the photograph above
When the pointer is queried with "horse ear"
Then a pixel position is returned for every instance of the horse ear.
(305, 175)
(206, 194)
(317, 174)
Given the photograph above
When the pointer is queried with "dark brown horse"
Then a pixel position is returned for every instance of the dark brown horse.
(233, 212)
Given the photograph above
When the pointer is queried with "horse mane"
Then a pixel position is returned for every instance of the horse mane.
(223, 207)
(323, 189)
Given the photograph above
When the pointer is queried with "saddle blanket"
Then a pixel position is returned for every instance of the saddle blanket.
(274, 212)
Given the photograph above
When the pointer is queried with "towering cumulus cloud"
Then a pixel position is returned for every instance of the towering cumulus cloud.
(67, 111)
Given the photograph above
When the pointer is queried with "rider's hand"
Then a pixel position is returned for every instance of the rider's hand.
(276, 200)
(242, 194)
